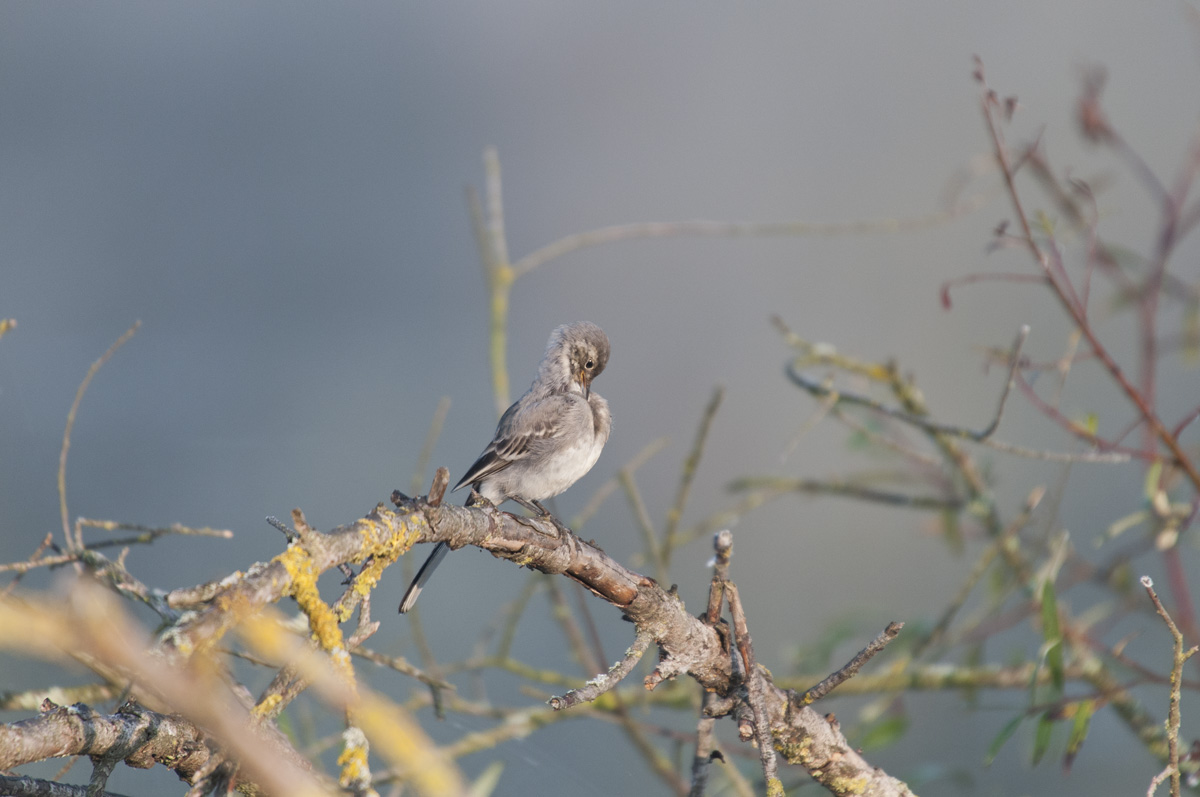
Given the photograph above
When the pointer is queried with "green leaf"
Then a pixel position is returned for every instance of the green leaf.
(952, 532)
(817, 654)
(1091, 423)
(1150, 486)
(1005, 734)
(886, 731)
(1053, 637)
(1041, 737)
(1045, 222)
(1191, 334)
(1079, 731)
(1122, 525)
(487, 781)
(972, 658)
(284, 723)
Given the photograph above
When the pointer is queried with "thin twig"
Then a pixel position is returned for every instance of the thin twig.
(1064, 292)
(610, 486)
(705, 747)
(66, 442)
(514, 612)
(431, 438)
(570, 627)
(770, 485)
(606, 681)
(979, 570)
(853, 666)
(723, 548)
(499, 273)
(642, 516)
(827, 392)
(1173, 715)
(755, 689)
(690, 465)
(705, 740)
(975, 435)
(732, 229)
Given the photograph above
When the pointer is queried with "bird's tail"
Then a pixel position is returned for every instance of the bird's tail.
(418, 583)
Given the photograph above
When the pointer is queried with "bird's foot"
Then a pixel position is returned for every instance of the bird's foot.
(539, 524)
(558, 526)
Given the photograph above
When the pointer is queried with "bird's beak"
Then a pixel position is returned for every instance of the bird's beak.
(586, 384)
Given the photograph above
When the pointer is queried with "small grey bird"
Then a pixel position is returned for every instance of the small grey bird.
(547, 440)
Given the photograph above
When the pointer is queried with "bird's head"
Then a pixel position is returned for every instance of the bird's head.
(584, 348)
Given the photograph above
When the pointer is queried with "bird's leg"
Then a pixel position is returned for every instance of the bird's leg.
(534, 506)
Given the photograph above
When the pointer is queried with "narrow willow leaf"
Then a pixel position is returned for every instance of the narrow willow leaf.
(1079, 731)
(1150, 487)
(1041, 737)
(487, 781)
(1005, 734)
(885, 732)
(1053, 637)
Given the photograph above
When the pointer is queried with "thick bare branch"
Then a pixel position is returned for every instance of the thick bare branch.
(136, 735)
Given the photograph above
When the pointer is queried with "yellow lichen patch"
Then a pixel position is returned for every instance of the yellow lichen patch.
(266, 706)
(795, 753)
(855, 785)
(356, 771)
(379, 549)
(321, 620)
(379, 540)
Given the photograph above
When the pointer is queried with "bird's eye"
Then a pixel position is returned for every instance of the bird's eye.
(589, 365)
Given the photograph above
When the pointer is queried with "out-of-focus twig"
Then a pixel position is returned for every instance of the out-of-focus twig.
(77, 542)
(1173, 714)
(690, 466)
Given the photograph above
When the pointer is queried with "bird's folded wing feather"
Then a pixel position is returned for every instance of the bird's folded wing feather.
(520, 433)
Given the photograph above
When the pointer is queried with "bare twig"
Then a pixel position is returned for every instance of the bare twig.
(976, 435)
(562, 613)
(18, 786)
(66, 442)
(826, 392)
(1061, 285)
(653, 550)
(851, 667)
(431, 438)
(770, 486)
(1173, 714)
(733, 229)
(610, 486)
(705, 747)
(723, 553)
(606, 681)
(705, 740)
(756, 689)
(690, 466)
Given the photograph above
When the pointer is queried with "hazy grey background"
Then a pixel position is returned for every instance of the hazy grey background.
(276, 191)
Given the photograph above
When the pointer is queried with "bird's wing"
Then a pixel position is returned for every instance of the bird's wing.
(521, 431)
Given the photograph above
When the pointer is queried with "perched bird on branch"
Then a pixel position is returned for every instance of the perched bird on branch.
(547, 440)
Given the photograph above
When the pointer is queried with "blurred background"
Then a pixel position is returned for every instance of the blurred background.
(277, 192)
